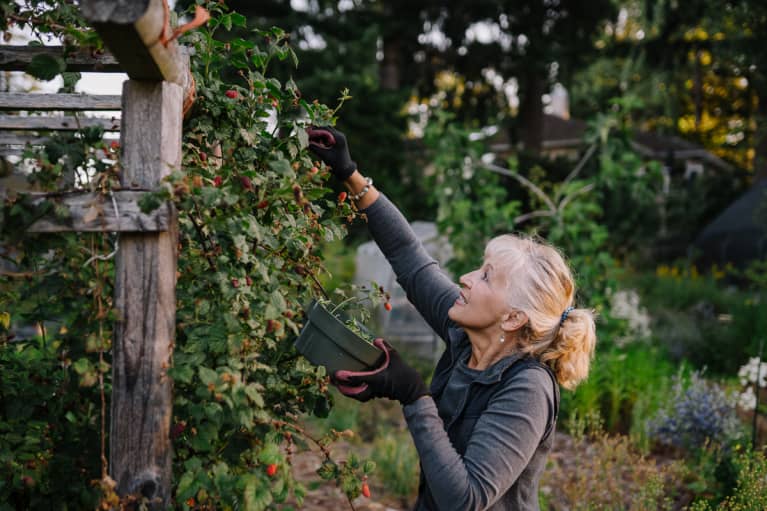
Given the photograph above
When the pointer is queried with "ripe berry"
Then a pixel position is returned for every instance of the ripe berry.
(217, 181)
(387, 306)
(272, 325)
(366, 490)
(177, 429)
(271, 469)
(203, 156)
(341, 196)
(235, 283)
(314, 170)
(246, 183)
(261, 205)
(248, 281)
(114, 145)
(231, 94)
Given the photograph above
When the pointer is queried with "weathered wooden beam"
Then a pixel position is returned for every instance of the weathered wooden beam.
(57, 123)
(11, 139)
(26, 101)
(94, 212)
(145, 299)
(133, 31)
(17, 58)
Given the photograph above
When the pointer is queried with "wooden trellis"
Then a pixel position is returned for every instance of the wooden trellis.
(145, 267)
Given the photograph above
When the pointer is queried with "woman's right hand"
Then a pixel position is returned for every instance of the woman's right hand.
(331, 147)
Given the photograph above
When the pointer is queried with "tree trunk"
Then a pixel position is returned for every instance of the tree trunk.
(760, 142)
(389, 69)
(531, 111)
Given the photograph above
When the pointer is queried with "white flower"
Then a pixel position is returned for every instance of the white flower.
(749, 372)
(624, 304)
(747, 399)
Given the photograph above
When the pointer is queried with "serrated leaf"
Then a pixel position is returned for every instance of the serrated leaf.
(281, 166)
(46, 67)
(269, 454)
(252, 392)
(207, 375)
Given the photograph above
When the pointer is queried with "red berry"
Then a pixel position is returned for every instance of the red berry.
(231, 94)
(177, 429)
(246, 183)
(114, 145)
(235, 283)
(261, 205)
(203, 156)
(28, 481)
(275, 103)
(387, 306)
(341, 196)
(366, 490)
(314, 170)
(272, 325)
(248, 281)
(217, 181)
(271, 469)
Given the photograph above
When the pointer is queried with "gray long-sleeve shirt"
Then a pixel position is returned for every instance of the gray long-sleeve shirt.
(483, 436)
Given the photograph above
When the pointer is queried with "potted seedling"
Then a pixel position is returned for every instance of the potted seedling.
(334, 337)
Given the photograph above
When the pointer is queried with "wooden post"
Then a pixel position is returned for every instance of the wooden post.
(145, 285)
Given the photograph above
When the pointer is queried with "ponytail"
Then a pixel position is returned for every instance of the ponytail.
(570, 352)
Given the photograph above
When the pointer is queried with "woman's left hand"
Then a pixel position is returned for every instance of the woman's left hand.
(395, 379)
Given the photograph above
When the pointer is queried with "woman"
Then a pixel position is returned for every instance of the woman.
(485, 426)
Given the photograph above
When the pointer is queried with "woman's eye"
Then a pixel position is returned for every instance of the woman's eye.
(484, 275)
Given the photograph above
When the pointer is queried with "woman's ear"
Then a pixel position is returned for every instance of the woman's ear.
(513, 321)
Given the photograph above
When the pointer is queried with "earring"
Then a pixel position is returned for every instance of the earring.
(503, 338)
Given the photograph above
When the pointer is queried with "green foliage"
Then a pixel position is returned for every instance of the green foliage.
(253, 213)
(749, 491)
(397, 463)
(49, 428)
(623, 387)
(472, 204)
(702, 318)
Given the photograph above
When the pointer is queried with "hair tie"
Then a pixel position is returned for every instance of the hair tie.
(564, 315)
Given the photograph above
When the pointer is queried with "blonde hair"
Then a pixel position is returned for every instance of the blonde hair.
(540, 284)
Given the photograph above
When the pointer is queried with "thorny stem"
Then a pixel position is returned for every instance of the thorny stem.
(100, 307)
(203, 238)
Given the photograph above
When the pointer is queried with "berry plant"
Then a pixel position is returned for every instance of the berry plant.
(254, 210)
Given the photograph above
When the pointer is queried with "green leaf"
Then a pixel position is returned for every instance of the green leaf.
(252, 392)
(207, 375)
(185, 488)
(269, 454)
(257, 496)
(46, 67)
(282, 167)
(369, 466)
(82, 365)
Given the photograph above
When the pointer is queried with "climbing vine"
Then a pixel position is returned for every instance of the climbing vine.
(254, 211)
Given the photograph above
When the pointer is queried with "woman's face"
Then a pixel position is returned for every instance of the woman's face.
(482, 302)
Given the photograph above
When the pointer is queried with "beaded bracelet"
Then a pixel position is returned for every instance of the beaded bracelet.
(356, 197)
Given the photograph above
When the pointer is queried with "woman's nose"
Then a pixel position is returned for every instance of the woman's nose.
(465, 279)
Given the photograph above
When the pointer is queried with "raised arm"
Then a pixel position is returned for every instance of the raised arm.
(429, 289)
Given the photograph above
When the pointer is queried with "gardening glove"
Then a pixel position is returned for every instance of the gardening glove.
(330, 145)
(394, 379)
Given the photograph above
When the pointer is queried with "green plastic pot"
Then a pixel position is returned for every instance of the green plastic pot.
(326, 341)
